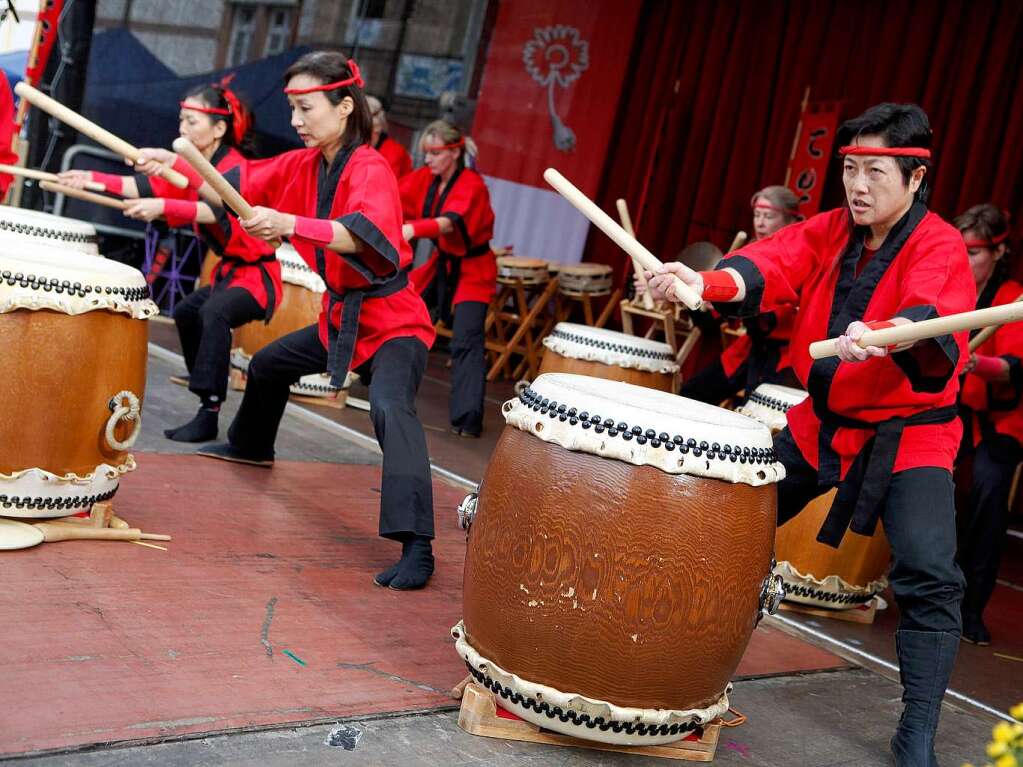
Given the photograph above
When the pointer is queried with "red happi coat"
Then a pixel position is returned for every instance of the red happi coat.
(396, 155)
(996, 404)
(471, 264)
(7, 130)
(802, 265)
(359, 191)
(780, 323)
(246, 262)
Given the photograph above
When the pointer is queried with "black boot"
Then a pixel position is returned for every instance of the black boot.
(926, 659)
(974, 630)
(414, 568)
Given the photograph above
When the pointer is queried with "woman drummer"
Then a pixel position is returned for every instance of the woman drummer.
(989, 405)
(246, 284)
(762, 354)
(880, 423)
(447, 207)
(337, 201)
(395, 154)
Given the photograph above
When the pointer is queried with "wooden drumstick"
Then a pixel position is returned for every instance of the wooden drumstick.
(621, 238)
(81, 194)
(42, 175)
(623, 214)
(738, 242)
(979, 340)
(920, 331)
(217, 182)
(90, 129)
(58, 532)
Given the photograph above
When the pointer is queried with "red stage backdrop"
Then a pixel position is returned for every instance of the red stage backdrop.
(812, 155)
(554, 74)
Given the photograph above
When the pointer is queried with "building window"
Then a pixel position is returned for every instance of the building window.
(278, 31)
(243, 30)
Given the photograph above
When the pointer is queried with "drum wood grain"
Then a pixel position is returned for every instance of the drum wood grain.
(618, 582)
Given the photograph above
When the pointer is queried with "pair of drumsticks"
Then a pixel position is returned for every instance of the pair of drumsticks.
(990, 318)
(890, 336)
(83, 125)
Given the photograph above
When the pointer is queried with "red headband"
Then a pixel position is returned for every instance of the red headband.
(242, 118)
(994, 242)
(455, 145)
(355, 79)
(887, 151)
(754, 204)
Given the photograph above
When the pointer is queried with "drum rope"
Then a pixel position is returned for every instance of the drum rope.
(119, 411)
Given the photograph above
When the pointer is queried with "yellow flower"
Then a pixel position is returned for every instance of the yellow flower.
(1002, 732)
(997, 748)
(1006, 761)
(1017, 712)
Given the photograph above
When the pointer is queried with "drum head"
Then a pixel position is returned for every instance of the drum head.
(296, 271)
(609, 347)
(57, 231)
(41, 277)
(700, 256)
(645, 427)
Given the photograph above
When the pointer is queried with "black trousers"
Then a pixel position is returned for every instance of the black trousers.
(205, 320)
(985, 518)
(393, 375)
(468, 366)
(918, 515)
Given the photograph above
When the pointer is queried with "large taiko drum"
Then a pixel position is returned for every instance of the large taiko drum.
(815, 574)
(619, 557)
(601, 353)
(74, 368)
(49, 230)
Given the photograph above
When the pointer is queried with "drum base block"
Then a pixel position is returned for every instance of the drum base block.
(479, 715)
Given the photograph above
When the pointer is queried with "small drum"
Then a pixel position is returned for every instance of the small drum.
(49, 230)
(301, 302)
(585, 280)
(611, 355)
(74, 365)
(619, 557)
(512, 270)
(815, 574)
(769, 403)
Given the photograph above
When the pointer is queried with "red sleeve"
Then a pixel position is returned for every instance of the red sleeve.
(371, 210)
(158, 186)
(468, 209)
(268, 182)
(404, 165)
(412, 188)
(7, 130)
(775, 269)
(227, 233)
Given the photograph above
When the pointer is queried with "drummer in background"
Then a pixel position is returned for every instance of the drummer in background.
(447, 209)
(337, 201)
(992, 417)
(395, 154)
(880, 423)
(762, 354)
(246, 284)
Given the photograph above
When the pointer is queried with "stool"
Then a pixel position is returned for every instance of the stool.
(524, 284)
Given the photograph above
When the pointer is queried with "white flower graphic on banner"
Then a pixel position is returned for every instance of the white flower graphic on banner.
(556, 56)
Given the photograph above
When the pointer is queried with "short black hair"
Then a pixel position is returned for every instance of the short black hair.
(331, 67)
(899, 125)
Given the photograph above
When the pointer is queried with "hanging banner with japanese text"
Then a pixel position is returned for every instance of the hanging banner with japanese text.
(808, 166)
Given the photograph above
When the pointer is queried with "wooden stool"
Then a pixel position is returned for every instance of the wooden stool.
(680, 332)
(525, 290)
(580, 284)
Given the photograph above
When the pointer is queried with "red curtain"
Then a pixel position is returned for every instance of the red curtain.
(714, 92)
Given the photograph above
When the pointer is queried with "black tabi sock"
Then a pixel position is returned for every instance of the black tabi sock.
(202, 428)
(415, 566)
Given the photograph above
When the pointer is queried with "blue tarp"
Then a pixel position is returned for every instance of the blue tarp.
(131, 93)
(13, 64)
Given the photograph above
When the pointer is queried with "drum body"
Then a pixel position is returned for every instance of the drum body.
(588, 613)
(48, 230)
(512, 270)
(75, 344)
(585, 280)
(607, 354)
(815, 574)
